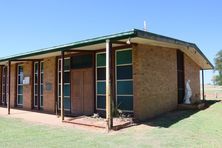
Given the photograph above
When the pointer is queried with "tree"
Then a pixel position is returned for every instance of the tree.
(217, 79)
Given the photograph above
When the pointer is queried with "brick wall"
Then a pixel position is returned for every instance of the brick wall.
(155, 81)
(28, 88)
(49, 81)
(192, 73)
(1, 85)
(13, 84)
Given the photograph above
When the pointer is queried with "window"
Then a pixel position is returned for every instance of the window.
(20, 85)
(4, 84)
(81, 61)
(124, 80)
(41, 83)
(36, 65)
(67, 85)
(100, 81)
(38, 86)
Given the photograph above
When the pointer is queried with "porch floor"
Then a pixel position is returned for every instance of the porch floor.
(84, 122)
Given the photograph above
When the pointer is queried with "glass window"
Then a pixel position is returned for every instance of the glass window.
(59, 90)
(36, 99)
(66, 102)
(101, 102)
(36, 67)
(124, 72)
(42, 77)
(101, 59)
(19, 85)
(124, 82)
(20, 89)
(20, 79)
(20, 99)
(82, 61)
(20, 69)
(41, 90)
(124, 87)
(67, 90)
(100, 80)
(124, 57)
(101, 87)
(125, 102)
(66, 77)
(101, 73)
(41, 101)
(36, 79)
(67, 64)
(36, 88)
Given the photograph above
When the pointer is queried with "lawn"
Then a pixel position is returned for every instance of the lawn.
(175, 129)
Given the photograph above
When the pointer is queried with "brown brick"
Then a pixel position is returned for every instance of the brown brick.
(192, 73)
(1, 85)
(49, 79)
(13, 86)
(155, 81)
(27, 89)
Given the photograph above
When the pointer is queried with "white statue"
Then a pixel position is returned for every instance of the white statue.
(188, 93)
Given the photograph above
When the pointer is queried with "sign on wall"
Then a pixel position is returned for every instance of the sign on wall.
(26, 80)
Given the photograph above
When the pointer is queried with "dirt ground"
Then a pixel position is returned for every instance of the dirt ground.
(213, 92)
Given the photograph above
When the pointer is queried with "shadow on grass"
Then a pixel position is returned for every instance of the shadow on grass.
(168, 119)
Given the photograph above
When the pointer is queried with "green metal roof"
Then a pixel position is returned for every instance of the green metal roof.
(102, 39)
(77, 44)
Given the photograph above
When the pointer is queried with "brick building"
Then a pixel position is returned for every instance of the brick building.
(145, 75)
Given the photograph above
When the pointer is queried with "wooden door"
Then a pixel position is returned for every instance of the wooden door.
(82, 88)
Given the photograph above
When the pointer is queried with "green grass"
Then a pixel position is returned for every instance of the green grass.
(176, 129)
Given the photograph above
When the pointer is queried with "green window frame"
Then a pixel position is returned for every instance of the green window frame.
(100, 80)
(124, 79)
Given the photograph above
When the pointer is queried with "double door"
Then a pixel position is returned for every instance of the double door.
(82, 88)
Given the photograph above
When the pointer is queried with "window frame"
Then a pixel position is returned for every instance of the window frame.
(96, 67)
(35, 84)
(4, 84)
(116, 80)
(41, 89)
(21, 85)
(59, 84)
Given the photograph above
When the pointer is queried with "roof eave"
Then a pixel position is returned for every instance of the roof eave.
(152, 36)
(88, 42)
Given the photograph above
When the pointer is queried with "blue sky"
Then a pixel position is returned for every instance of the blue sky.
(28, 25)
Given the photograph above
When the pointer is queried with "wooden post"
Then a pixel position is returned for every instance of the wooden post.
(9, 81)
(62, 85)
(203, 85)
(109, 118)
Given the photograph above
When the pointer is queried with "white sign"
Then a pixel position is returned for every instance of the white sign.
(26, 80)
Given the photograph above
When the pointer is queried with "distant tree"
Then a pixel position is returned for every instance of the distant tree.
(217, 79)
